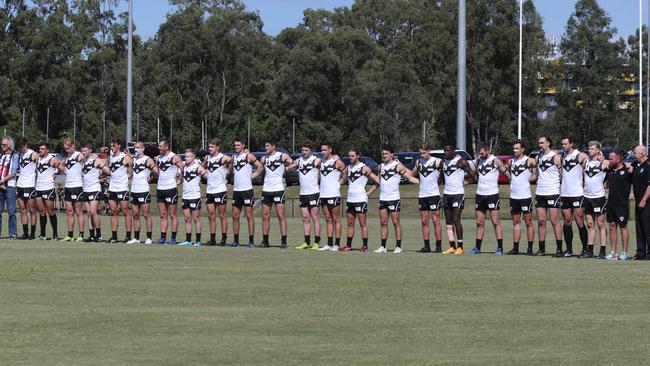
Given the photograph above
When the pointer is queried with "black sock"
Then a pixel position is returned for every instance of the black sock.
(81, 234)
(558, 245)
(582, 231)
(383, 243)
(128, 235)
(33, 231)
(515, 246)
(349, 241)
(590, 248)
(149, 234)
(43, 222)
(438, 244)
(365, 242)
(213, 237)
(337, 242)
(251, 238)
(427, 243)
(459, 244)
(307, 239)
(113, 235)
(452, 244)
(236, 238)
(265, 239)
(163, 235)
(188, 237)
(330, 241)
(137, 235)
(99, 232)
(70, 234)
(530, 245)
(602, 250)
(26, 230)
(91, 233)
(568, 236)
(198, 237)
(55, 229)
(224, 237)
(283, 240)
(173, 235)
(398, 243)
(542, 246)
(479, 242)
(500, 243)
(317, 239)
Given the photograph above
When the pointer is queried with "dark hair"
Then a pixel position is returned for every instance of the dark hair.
(307, 143)
(89, 146)
(190, 150)
(452, 146)
(237, 139)
(329, 146)
(20, 142)
(68, 140)
(567, 137)
(46, 144)
(388, 148)
(619, 152)
(355, 150)
(270, 142)
(521, 143)
(165, 141)
(483, 146)
(550, 142)
(215, 141)
(116, 141)
(425, 146)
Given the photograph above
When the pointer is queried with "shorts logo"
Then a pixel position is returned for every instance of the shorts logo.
(576, 204)
(192, 205)
(433, 207)
(524, 208)
(168, 199)
(621, 218)
(330, 202)
(491, 205)
(455, 204)
(596, 209)
(358, 209)
(391, 207)
(277, 199)
(550, 202)
(312, 202)
(25, 194)
(74, 196)
(140, 199)
(247, 202)
(119, 196)
(217, 199)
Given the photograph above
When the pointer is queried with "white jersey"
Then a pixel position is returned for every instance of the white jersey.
(308, 175)
(91, 175)
(242, 171)
(119, 174)
(454, 176)
(572, 175)
(141, 174)
(167, 171)
(357, 184)
(548, 175)
(390, 179)
(488, 176)
(27, 174)
(520, 178)
(191, 182)
(45, 177)
(73, 174)
(273, 173)
(217, 174)
(330, 187)
(594, 179)
(429, 173)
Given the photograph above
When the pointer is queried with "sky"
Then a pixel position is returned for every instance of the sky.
(279, 14)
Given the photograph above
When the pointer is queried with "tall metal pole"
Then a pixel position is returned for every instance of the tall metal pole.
(129, 79)
(293, 136)
(158, 128)
(203, 134)
(462, 82)
(104, 129)
(521, 52)
(171, 132)
(23, 121)
(47, 126)
(74, 126)
(248, 141)
(647, 113)
(137, 128)
(640, 72)
(424, 131)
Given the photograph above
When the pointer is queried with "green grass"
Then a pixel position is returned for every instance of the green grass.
(101, 304)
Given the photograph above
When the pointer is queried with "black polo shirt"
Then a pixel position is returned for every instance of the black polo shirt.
(620, 184)
(640, 179)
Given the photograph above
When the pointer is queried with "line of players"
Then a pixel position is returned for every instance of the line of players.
(566, 183)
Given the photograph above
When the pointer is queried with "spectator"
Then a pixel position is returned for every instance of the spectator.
(641, 188)
(9, 162)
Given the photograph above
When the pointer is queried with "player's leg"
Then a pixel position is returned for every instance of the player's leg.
(498, 229)
(42, 213)
(211, 209)
(137, 227)
(223, 217)
(187, 220)
(397, 225)
(383, 232)
(516, 232)
(329, 226)
(124, 205)
(480, 230)
(113, 205)
(567, 230)
(266, 222)
(171, 208)
(69, 213)
(554, 217)
(282, 221)
(79, 212)
(426, 230)
(51, 212)
(162, 211)
(336, 222)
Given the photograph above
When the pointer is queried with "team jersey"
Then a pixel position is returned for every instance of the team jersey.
(594, 179)
(119, 174)
(141, 174)
(73, 174)
(429, 173)
(390, 179)
(330, 186)
(167, 171)
(572, 175)
(191, 182)
(454, 176)
(9, 163)
(45, 177)
(357, 183)
(488, 176)
(27, 175)
(520, 178)
(217, 174)
(308, 175)
(548, 175)
(242, 171)
(91, 175)
(273, 173)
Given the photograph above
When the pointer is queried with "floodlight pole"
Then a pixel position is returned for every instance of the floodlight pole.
(462, 81)
(129, 77)
(640, 72)
(521, 38)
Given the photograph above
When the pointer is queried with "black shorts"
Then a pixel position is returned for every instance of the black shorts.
(330, 201)
(118, 196)
(167, 196)
(26, 193)
(243, 198)
(390, 206)
(218, 199)
(92, 196)
(73, 194)
(357, 207)
(571, 202)
(192, 205)
(552, 201)
(453, 201)
(309, 200)
(270, 198)
(47, 195)
(524, 205)
(487, 203)
(618, 214)
(429, 203)
(595, 206)
(140, 198)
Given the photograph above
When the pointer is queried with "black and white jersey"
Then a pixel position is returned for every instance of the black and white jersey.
(217, 174)
(27, 175)
(548, 175)
(167, 171)
(390, 179)
(594, 179)
(308, 175)
(429, 173)
(520, 178)
(191, 182)
(329, 179)
(141, 174)
(488, 176)
(119, 173)
(242, 171)
(91, 175)
(45, 177)
(274, 173)
(73, 174)
(454, 176)
(357, 183)
(572, 172)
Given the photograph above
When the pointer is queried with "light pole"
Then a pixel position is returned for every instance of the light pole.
(462, 82)
(129, 79)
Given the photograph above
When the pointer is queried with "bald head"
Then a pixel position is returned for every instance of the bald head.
(640, 153)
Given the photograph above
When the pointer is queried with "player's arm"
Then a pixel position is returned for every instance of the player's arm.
(646, 196)
(127, 163)
(401, 169)
(259, 168)
(202, 171)
(503, 169)
(416, 167)
(286, 160)
(557, 160)
(344, 177)
(532, 166)
(507, 168)
(340, 166)
(293, 166)
(226, 161)
(473, 177)
(59, 165)
(152, 166)
(373, 178)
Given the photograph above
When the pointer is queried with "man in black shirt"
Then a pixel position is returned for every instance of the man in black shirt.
(641, 188)
(619, 180)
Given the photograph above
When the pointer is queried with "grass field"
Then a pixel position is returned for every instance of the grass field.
(101, 304)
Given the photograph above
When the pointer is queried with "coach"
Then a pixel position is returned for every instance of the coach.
(641, 188)
(9, 161)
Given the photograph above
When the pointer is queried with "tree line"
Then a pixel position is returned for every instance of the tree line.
(380, 71)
